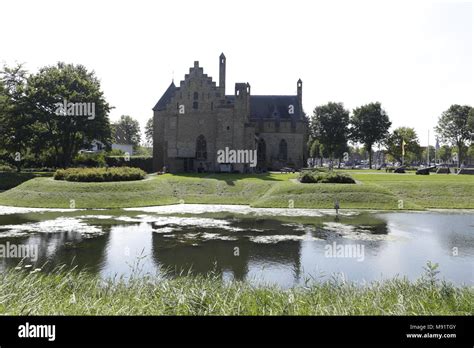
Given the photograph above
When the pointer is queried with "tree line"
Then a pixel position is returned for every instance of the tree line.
(332, 127)
(32, 128)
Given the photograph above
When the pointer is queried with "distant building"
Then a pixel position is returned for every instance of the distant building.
(195, 120)
(127, 148)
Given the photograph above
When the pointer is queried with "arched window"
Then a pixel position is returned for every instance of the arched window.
(283, 150)
(195, 105)
(201, 148)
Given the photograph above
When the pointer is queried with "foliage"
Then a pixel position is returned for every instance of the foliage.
(394, 144)
(143, 162)
(18, 130)
(126, 131)
(149, 131)
(89, 160)
(369, 125)
(453, 127)
(6, 168)
(329, 125)
(325, 177)
(34, 120)
(100, 174)
(445, 153)
(72, 292)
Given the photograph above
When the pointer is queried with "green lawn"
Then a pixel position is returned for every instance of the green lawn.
(10, 180)
(374, 190)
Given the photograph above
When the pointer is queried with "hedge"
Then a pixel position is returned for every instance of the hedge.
(310, 177)
(100, 174)
(142, 162)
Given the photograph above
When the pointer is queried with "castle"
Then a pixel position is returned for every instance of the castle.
(196, 120)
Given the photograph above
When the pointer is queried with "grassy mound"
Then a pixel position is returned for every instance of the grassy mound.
(26, 292)
(100, 174)
(9, 180)
(375, 190)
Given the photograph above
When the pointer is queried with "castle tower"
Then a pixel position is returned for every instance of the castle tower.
(222, 74)
(299, 85)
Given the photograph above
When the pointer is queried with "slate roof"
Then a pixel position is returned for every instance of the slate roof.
(165, 99)
(271, 106)
(261, 106)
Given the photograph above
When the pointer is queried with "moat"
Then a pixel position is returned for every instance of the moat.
(285, 247)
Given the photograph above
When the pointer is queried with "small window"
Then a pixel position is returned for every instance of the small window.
(195, 96)
(195, 105)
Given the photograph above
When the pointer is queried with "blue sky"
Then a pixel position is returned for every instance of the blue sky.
(415, 57)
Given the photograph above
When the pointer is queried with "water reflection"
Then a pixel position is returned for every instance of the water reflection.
(285, 250)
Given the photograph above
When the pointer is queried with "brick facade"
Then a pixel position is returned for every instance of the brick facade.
(194, 120)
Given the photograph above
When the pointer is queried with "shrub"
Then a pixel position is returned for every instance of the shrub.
(313, 177)
(143, 162)
(307, 177)
(6, 168)
(89, 160)
(100, 174)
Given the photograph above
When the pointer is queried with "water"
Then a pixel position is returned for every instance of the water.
(279, 246)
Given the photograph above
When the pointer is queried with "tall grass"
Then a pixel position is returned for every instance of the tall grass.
(62, 292)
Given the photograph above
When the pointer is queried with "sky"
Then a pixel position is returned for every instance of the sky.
(415, 57)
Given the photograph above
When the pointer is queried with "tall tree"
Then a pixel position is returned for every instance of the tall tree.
(149, 131)
(470, 123)
(453, 127)
(329, 125)
(68, 128)
(18, 129)
(444, 153)
(397, 137)
(127, 131)
(369, 125)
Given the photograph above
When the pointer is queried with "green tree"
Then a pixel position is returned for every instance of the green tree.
(395, 139)
(127, 131)
(470, 121)
(314, 150)
(424, 154)
(329, 125)
(55, 95)
(19, 131)
(369, 125)
(453, 127)
(444, 153)
(149, 131)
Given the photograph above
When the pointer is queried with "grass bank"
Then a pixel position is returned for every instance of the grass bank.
(79, 293)
(9, 180)
(374, 190)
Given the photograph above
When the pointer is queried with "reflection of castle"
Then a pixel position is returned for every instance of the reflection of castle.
(64, 248)
(218, 256)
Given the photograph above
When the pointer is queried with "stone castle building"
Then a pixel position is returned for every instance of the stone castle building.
(195, 120)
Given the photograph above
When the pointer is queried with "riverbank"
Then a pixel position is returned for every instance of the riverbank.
(381, 191)
(26, 292)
